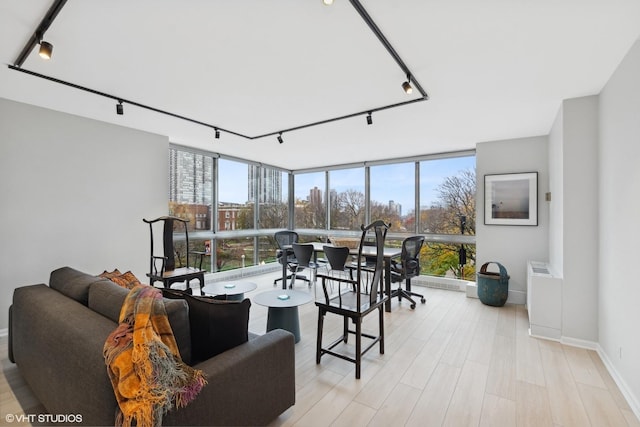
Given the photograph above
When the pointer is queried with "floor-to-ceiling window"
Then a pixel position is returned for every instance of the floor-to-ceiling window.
(191, 197)
(448, 206)
(393, 195)
(346, 199)
(235, 211)
(310, 194)
(235, 206)
(272, 197)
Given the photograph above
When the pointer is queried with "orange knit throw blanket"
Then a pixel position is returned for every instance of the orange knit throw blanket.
(143, 362)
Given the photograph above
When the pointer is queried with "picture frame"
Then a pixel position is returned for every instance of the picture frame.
(511, 199)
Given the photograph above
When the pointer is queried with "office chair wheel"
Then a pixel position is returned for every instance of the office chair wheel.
(422, 300)
(413, 306)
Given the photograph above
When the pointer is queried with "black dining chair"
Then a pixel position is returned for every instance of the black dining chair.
(337, 257)
(408, 267)
(355, 299)
(337, 265)
(284, 254)
(303, 253)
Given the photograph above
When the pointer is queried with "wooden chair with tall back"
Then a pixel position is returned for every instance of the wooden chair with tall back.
(163, 268)
(355, 299)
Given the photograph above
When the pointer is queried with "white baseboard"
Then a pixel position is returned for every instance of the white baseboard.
(447, 283)
(576, 342)
(515, 297)
(545, 333)
(632, 400)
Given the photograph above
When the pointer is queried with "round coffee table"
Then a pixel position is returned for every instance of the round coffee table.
(283, 309)
(234, 290)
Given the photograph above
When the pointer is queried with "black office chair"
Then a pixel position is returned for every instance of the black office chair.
(408, 267)
(284, 254)
(354, 301)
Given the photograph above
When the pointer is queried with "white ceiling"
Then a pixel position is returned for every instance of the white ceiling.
(493, 69)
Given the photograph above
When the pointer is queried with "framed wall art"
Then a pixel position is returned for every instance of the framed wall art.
(511, 199)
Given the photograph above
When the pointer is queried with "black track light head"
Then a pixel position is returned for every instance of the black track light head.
(280, 140)
(217, 133)
(46, 50)
(369, 119)
(406, 86)
(119, 108)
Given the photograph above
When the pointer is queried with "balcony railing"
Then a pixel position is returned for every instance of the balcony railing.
(241, 249)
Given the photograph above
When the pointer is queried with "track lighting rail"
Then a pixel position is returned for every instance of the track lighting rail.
(39, 32)
(124, 100)
(381, 37)
(59, 4)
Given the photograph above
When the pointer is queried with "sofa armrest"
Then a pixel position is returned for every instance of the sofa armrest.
(10, 345)
(250, 384)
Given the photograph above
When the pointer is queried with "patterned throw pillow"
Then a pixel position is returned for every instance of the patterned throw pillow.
(108, 275)
(126, 280)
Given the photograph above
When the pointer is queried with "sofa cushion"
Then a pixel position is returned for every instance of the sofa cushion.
(107, 298)
(73, 283)
(216, 325)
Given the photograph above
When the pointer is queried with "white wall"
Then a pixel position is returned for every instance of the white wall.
(74, 192)
(619, 179)
(513, 246)
(580, 219)
(556, 188)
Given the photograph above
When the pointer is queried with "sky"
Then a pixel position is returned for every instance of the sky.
(388, 182)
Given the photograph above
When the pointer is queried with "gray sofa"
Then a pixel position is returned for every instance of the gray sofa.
(56, 338)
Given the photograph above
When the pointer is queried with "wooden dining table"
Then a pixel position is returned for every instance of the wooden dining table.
(368, 251)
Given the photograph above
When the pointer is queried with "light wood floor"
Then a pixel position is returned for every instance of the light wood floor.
(452, 362)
